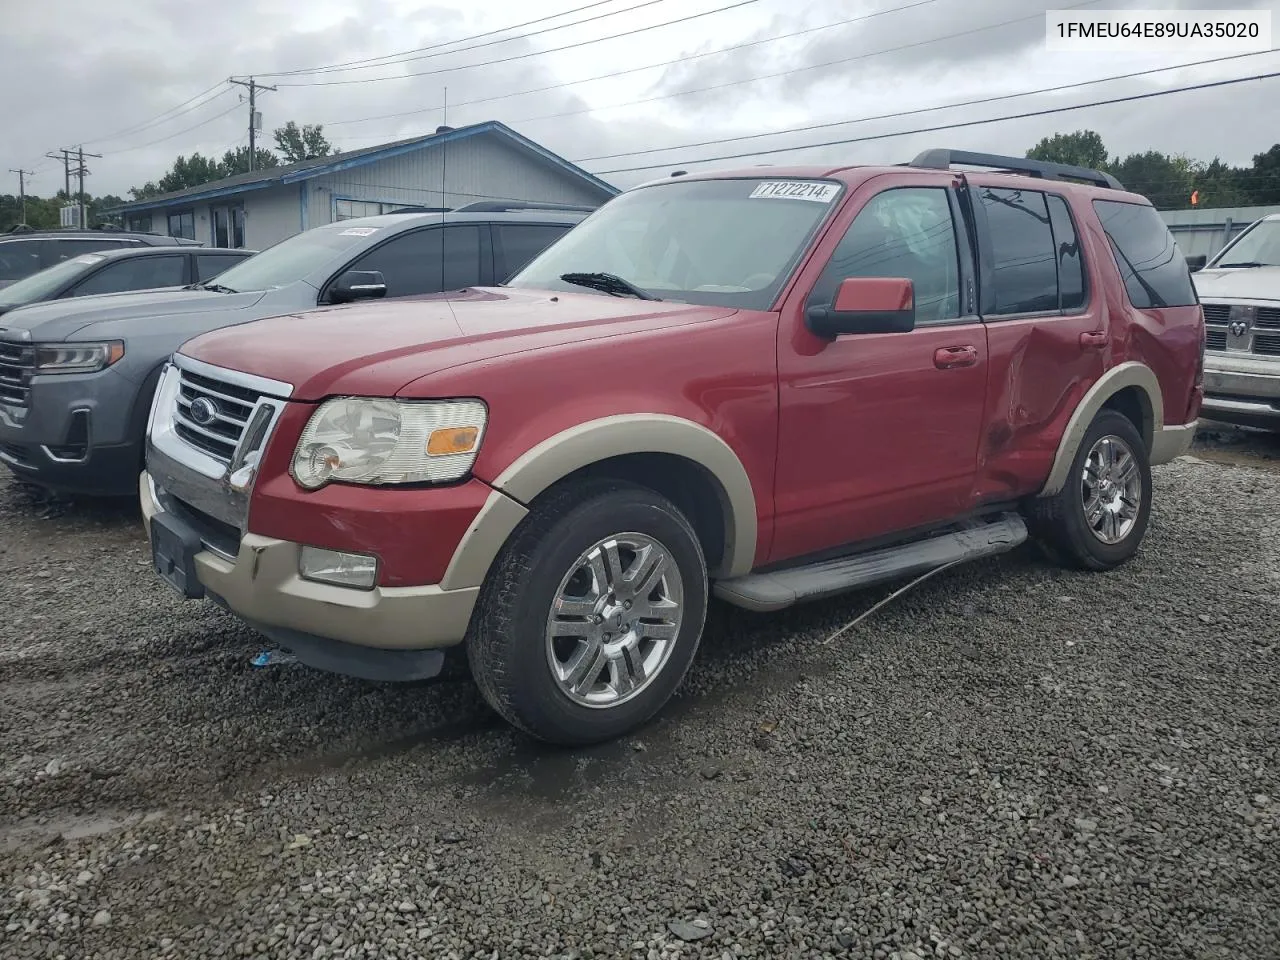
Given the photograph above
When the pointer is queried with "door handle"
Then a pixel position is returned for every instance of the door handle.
(944, 358)
(1093, 340)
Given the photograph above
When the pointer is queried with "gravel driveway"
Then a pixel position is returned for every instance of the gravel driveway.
(1009, 761)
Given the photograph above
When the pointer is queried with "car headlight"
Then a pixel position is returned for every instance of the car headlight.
(358, 440)
(77, 357)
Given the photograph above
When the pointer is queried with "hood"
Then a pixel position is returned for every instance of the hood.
(54, 320)
(375, 349)
(1240, 283)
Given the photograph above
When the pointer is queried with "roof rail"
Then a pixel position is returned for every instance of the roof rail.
(511, 206)
(942, 159)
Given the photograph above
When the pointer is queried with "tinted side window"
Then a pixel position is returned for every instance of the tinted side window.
(209, 266)
(1071, 286)
(903, 232)
(55, 251)
(1154, 270)
(426, 261)
(140, 273)
(19, 259)
(1023, 261)
(519, 243)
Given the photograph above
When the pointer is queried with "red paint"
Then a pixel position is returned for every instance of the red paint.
(874, 295)
(844, 439)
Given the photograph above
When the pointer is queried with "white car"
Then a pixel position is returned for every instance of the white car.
(1240, 293)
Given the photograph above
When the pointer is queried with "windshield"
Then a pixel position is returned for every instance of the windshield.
(290, 260)
(47, 282)
(712, 242)
(1257, 246)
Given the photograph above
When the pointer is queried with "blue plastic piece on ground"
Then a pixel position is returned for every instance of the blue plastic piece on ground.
(268, 657)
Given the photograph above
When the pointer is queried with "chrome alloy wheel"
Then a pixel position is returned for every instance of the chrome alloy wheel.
(614, 620)
(1112, 489)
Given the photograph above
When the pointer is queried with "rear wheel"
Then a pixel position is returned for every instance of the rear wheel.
(1098, 519)
(591, 615)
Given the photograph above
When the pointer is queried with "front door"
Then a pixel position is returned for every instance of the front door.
(879, 433)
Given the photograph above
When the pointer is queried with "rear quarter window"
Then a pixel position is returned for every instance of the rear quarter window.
(1154, 271)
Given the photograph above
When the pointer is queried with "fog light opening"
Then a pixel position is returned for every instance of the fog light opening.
(338, 568)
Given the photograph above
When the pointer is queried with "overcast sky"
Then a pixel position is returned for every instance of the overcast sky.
(99, 72)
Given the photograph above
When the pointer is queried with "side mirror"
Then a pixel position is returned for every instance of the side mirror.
(866, 305)
(358, 285)
(1197, 262)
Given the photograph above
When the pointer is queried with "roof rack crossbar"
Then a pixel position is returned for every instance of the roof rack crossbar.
(510, 206)
(942, 159)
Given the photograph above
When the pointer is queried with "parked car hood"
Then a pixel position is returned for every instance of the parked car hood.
(55, 320)
(1238, 283)
(376, 349)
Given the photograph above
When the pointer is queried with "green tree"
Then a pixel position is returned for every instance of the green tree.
(237, 161)
(302, 143)
(1083, 148)
(1264, 178)
(1166, 181)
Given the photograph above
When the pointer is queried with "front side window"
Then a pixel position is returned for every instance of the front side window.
(1257, 246)
(1024, 269)
(715, 242)
(296, 257)
(427, 261)
(46, 282)
(1154, 270)
(136, 273)
(209, 265)
(904, 232)
(518, 243)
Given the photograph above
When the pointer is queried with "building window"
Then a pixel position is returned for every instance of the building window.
(183, 225)
(228, 227)
(141, 223)
(350, 209)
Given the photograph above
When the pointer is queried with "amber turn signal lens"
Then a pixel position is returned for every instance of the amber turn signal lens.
(451, 440)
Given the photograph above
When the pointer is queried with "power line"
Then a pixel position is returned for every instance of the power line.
(908, 113)
(202, 123)
(165, 116)
(477, 46)
(22, 189)
(949, 126)
(333, 67)
(533, 53)
(651, 66)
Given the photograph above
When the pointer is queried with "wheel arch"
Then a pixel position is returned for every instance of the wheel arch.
(680, 458)
(1130, 388)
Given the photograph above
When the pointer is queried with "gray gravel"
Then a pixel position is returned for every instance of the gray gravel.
(1010, 761)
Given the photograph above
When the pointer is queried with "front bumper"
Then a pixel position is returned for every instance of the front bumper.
(74, 434)
(1243, 390)
(369, 633)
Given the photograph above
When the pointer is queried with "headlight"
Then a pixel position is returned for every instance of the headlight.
(358, 440)
(77, 357)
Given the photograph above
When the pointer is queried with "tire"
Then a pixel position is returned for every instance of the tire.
(528, 677)
(1068, 532)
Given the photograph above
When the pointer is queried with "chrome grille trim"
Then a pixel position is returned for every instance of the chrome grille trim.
(17, 366)
(1242, 327)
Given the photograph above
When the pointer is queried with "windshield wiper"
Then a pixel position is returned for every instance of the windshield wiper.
(215, 288)
(1247, 263)
(607, 283)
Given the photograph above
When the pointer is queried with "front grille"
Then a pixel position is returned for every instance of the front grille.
(17, 364)
(1216, 312)
(1267, 344)
(233, 406)
(1215, 339)
(1268, 318)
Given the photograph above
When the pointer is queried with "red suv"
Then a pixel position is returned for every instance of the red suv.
(770, 385)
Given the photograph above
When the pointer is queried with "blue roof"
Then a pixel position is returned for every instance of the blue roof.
(319, 166)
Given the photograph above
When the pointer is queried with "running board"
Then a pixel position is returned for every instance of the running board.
(763, 592)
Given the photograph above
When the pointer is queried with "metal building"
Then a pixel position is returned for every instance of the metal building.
(438, 171)
(1206, 231)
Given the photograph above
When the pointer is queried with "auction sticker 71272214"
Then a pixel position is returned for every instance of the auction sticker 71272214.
(814, 190)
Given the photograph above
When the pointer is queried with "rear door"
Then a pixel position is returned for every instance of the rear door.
(1046, 329)
(878, 433)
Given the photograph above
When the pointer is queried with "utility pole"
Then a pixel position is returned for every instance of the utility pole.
(81, 171)
(66, 168)
(255, 119)
(22, 188)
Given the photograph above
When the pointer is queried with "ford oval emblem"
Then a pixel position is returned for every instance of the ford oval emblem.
(203, 411)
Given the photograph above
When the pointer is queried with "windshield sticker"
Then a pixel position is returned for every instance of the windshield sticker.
(358, 231)
(89, 258)
(796, 190)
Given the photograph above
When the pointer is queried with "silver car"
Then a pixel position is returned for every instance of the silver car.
(1240, 293)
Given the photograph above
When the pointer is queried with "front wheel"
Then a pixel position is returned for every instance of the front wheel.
(1098, 519)
(591, 615)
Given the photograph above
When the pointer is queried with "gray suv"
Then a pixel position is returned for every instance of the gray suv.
(77, 376)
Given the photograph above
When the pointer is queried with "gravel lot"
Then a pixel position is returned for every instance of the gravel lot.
(1009, 761)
